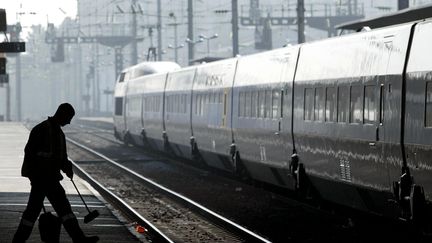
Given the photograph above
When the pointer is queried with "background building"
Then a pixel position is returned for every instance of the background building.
(77, 61)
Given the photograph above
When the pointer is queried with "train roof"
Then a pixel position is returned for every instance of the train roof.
(400, 17)
(146, 68)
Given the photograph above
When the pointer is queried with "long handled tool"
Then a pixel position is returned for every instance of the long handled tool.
(91, 215)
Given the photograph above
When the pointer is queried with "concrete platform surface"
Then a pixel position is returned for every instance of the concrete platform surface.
(14, 192)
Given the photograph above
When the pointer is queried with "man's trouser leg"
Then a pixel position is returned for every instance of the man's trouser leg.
(30, 214)
(57, 197)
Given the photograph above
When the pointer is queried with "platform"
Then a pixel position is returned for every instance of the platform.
(14, 192)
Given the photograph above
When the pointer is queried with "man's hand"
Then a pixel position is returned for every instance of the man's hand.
(67, 169)
(70, 174)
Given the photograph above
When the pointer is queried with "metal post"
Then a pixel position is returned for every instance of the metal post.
(18, 84)
(172, 15)
(190, 32)
(159, 28)
(175, 43)
(300, 21)
(235, 27)
(17, 74)
(134, 51)
(8, 118)
(80, 84)
(96, 77)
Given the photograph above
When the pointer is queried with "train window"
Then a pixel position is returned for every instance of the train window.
(319, 104)
(308, 104)
(208, 99)
(151, 105)
(145, 104)
(261, 103)
(356, 103)
(119, 106)
(343, 104)
(199, 102)
(170, 103)
(167, 105)
(381, 109)
(275, 103)
(254, 105)
(184, 103)
(330, 104)
(180, 103)
(224, 104)
(370, 110)
(203, 101)
(268, 104)
(248, 104)
(282, 103)
(176, 103)
(195, 104)
(241, 104)
(122, 77)
(428, 115)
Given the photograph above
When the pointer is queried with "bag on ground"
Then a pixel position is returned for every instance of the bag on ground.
(49, 227)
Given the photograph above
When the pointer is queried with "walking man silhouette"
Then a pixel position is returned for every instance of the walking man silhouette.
(45, 155)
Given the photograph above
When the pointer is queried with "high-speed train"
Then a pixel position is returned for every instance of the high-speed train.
(349, 117)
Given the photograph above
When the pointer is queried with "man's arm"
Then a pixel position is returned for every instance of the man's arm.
(67, 168)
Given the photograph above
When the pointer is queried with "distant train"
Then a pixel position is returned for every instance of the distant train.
(350, 117)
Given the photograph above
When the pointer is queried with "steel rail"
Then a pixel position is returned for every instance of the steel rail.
(232, 226)
(154, 233)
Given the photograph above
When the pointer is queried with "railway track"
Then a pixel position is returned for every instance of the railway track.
(158, 208)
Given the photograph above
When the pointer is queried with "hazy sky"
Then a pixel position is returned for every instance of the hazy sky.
(52, 10)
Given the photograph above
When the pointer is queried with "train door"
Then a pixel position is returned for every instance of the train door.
(418, 108)
(285, 121)
(386, 139)
(225, 103)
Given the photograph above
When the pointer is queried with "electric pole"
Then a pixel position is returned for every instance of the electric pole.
(15, 37)
(190, 32)
(159, 28)
(134, 52)
(300, 21)
(235, 37)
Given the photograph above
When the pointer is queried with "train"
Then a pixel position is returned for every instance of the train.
(348, 118)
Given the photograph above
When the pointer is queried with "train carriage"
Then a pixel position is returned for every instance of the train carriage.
(262, 118)
(137, 99)
(211, 116)
(347, 103)
(418, 117)
(177, 115)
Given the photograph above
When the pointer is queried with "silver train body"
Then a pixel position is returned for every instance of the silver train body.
(349, 116)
